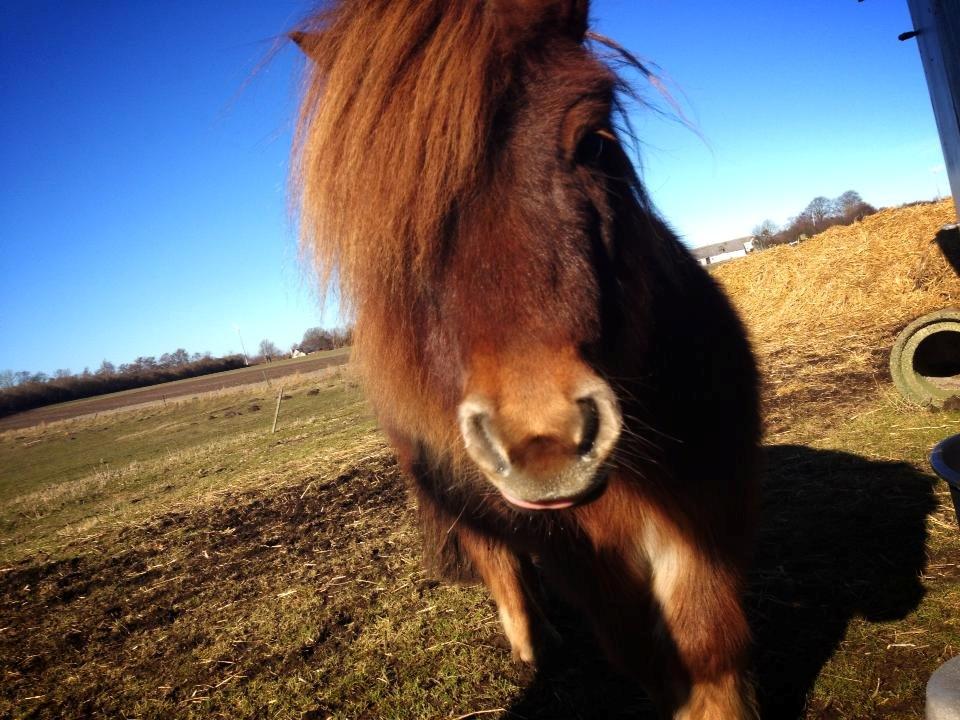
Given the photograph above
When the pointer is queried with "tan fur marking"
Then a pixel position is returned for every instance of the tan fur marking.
(501, 573)
(701, 606)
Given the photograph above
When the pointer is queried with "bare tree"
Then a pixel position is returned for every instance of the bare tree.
(268, 350)
(850, 199)
(763, 234)
(851, 207)
(144, 363)
(819, 209)
(315, 339)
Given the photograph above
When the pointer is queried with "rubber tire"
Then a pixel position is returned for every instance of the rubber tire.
(911, 385)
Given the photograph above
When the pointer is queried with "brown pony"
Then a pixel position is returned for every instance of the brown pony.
(570, 395)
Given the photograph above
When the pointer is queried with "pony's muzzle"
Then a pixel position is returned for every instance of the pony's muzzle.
(543, 459)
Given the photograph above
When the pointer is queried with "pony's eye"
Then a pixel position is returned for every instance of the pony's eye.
(592, 146)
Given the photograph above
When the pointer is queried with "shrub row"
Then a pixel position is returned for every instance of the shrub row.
(29, 395)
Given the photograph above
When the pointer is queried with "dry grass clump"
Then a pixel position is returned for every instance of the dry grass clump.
(823, 315)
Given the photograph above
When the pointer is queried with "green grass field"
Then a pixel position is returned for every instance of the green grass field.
(182, 561)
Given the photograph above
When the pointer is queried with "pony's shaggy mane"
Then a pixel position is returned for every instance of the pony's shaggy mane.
(393, 128)
(400, 102)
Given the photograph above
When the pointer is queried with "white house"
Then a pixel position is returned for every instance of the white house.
(723, 251)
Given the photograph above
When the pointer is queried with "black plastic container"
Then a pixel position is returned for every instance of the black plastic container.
(945, 460)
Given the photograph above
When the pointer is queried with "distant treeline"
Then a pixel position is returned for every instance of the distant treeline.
(25, 391)
(316, 339)
(820, 214)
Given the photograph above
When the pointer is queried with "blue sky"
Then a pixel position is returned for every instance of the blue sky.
(144, 149)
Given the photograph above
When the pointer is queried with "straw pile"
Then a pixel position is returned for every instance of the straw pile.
(823, 315)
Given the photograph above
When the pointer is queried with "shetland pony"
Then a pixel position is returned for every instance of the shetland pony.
(571, 397)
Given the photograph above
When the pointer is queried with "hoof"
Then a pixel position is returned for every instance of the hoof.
(547, 641)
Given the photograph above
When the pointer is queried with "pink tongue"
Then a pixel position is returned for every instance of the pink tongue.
(555, 505)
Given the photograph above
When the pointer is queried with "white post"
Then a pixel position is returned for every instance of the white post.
(276, 413)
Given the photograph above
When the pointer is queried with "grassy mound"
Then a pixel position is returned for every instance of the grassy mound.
(823, 315)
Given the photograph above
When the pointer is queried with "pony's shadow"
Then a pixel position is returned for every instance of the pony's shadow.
(841, 536)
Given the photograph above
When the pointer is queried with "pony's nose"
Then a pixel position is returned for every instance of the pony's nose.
(540, 443)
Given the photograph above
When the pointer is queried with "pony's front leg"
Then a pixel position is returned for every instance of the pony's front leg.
(508, 578)
(703, 627)
(459, 553)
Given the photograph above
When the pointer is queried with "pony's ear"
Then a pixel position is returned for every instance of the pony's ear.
(569, 16)
(306, 41)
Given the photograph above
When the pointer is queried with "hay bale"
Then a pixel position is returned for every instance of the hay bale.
(823, 315)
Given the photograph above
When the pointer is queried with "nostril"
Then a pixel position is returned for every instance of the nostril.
(590, 415)
(601, 419)
(481, 428)
(481, 440)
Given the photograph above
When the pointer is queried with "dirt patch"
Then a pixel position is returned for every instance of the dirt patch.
(160, 593)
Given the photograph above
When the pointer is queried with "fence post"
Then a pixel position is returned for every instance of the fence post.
(276, 413)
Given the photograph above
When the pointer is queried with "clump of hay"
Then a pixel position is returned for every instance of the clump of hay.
(823, 315)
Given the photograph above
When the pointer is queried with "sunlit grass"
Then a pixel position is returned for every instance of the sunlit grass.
(184, 561)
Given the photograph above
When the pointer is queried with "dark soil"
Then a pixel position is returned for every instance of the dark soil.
(151, 593)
